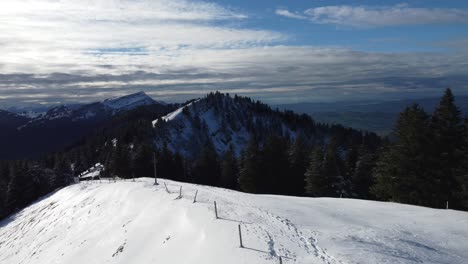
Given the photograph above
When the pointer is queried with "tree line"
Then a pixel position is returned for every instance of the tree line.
(22, 182)
(427, 162)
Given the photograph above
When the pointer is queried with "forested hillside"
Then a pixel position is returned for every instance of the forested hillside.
(241, 144)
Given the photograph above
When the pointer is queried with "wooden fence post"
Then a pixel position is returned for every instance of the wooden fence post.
(180, 192)
(216, 210)
(155, 164)
(240, 236)
(167, 190)
(195, 197)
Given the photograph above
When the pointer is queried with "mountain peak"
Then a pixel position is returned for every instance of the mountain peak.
(221, 120)
(130, 101)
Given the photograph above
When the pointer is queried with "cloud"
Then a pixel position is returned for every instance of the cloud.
(289, 14)
(273, 73)
(46, 35)
(381, 16)
(68, 51)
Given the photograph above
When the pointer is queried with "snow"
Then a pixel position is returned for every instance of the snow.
(173, 115)
(138, 222)
(92, 172)
(129, 102)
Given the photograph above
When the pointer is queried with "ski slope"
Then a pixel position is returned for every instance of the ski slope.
(137, 222)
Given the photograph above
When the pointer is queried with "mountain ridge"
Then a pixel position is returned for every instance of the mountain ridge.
(61, 125)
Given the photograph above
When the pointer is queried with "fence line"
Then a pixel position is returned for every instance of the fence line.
(241, 243)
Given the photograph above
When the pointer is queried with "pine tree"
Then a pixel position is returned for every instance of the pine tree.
(464, 176)
(315, 182)
(121, 162)
(448, 130)
(275, 175)
(206, 169)
(362, 177)
(63, 172)
(165, 160)
(20, 190)
(4, 174)
(142, 165)
(403, 172)
(229, 169)
(179, 171)
(298, 159)
(250, 167)
(332, 169)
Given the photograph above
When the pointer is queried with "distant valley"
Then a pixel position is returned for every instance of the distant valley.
(375, 116)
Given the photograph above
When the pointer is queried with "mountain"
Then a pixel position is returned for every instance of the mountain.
(138, 222)
(376, 116)
(129, 102)
(62, 125)
(9, 119)
(222, 120)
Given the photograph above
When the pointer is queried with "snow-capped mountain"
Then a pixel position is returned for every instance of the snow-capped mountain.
(138, 222)
(224, 120)
(129, 102)
(62, 125)
(97, 110)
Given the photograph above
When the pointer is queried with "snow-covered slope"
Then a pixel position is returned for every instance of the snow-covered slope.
(223, 121)
(130, 101)
(137, 222)
(92, 111)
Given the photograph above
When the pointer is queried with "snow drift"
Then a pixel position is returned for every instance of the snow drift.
(137, 222)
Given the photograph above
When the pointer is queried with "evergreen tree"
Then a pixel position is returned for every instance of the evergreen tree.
(229, 169)
(142, 165)
(63, 172)
(315, 182)
(298, 159)
(20, 190)
(403, 172)
(179, 168)
(362, 177)
(121, 162)
(275, 177)
(165, 160)
(206, 169)
(250, 167)
(4, 173)
(449, 135)
(332, 168)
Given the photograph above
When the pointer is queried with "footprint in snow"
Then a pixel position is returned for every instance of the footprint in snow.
(119, 250)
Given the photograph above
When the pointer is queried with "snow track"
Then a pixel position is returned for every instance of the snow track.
(137, 222)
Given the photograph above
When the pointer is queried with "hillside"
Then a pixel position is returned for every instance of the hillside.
(60, 126)
(222, 120)
(137, 222)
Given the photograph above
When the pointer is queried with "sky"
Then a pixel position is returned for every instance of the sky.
(63, 51)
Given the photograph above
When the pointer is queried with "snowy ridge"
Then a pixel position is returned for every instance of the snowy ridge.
(98, 110)
(128, 102)
(137, 222)
(219, 119)
(173, 115)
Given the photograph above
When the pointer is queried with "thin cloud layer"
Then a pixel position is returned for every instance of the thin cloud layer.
(81, 51)
(46, 35)
(380, 16)
(276, 74)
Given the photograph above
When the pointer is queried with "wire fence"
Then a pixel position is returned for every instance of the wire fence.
(279, 259)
